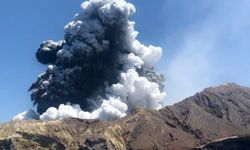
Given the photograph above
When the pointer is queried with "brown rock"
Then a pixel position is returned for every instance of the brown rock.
(207, 116)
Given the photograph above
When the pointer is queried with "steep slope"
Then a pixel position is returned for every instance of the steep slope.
(212, 114)
(231, 143)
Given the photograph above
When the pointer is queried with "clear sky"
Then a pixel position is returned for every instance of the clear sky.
(206, 43)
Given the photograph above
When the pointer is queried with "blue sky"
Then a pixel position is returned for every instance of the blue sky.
(206, 43)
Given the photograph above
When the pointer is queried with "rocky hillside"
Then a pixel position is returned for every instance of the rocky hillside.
(230, 143)
(212, 114)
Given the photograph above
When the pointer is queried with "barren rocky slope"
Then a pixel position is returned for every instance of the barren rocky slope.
(230, 143)
(212, 114)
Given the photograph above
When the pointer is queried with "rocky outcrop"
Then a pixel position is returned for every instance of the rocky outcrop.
(230, 143)
(210, 115)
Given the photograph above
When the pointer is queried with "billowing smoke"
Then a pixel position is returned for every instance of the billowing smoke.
(26, 115)
(100, 70)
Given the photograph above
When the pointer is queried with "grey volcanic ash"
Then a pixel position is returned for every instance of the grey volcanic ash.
(99, 70)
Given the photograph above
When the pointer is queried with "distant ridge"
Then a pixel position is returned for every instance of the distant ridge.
(215, 113)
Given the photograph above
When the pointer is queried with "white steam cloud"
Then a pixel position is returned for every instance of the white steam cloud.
(26, 115)
(138, 84)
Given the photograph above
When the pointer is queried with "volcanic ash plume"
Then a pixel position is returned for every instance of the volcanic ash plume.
(99, 70)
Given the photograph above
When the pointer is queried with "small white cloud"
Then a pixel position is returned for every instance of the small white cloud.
(26, 115)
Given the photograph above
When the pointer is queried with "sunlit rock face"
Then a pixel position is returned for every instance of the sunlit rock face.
(209, 117)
